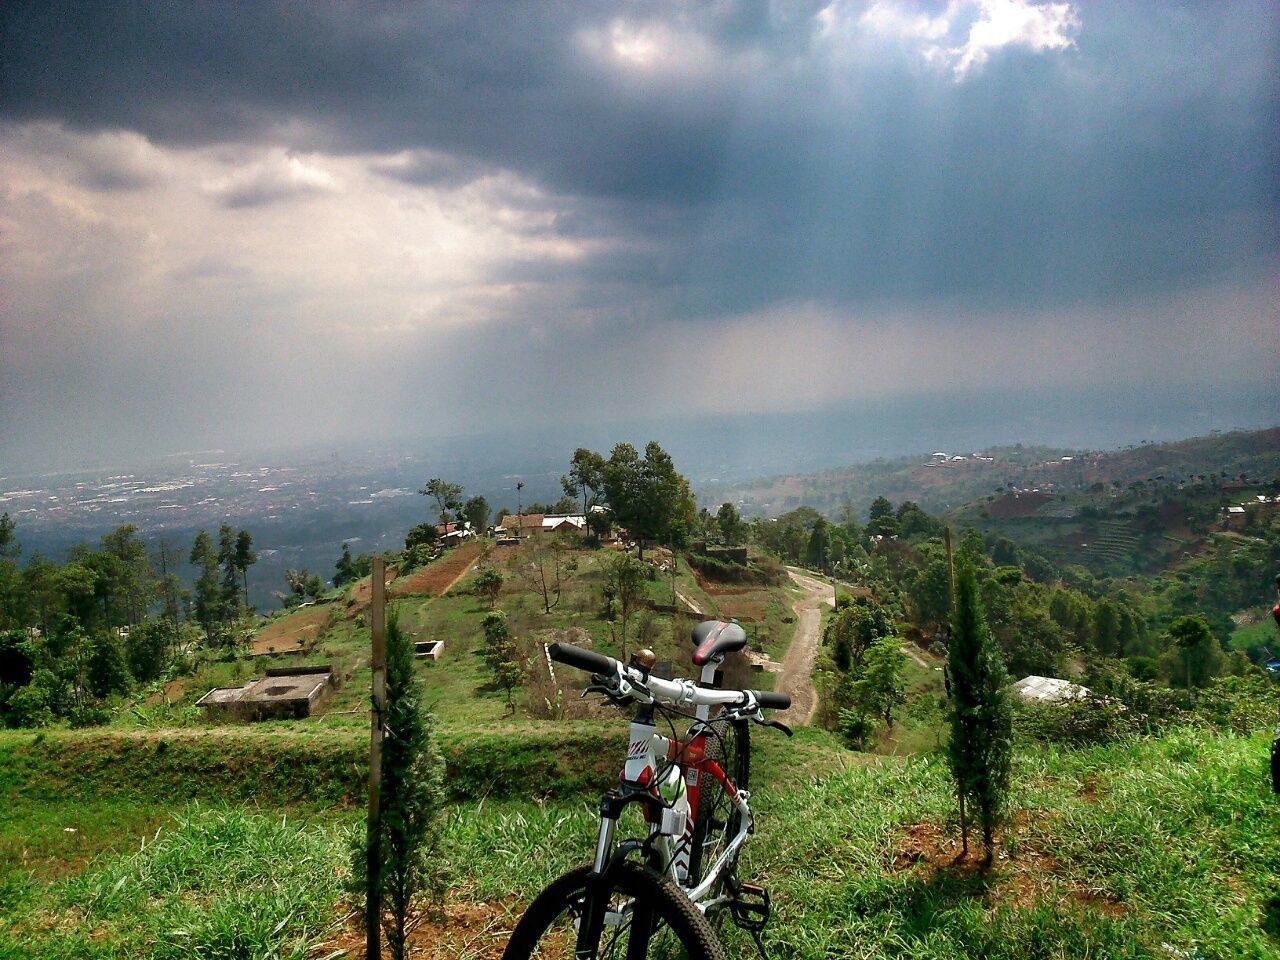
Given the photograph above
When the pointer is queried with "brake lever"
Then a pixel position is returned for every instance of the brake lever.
(617, 699)
(778, 724)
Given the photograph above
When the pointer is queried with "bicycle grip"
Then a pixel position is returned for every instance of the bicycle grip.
(769, 700)
(587, 660)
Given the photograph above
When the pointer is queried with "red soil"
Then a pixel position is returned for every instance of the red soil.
(292, 632)
(436, 578)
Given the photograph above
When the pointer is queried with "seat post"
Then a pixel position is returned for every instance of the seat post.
(708, 679)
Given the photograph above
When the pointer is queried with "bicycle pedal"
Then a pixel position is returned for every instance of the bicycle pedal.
(750, 907)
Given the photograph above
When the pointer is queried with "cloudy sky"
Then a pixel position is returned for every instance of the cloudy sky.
(228, 224)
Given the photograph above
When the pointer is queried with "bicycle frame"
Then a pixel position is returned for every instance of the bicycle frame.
(656, 765)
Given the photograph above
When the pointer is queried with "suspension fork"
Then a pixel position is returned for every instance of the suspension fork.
(596, 903)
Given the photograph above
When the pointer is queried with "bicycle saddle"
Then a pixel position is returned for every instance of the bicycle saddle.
(713, 639)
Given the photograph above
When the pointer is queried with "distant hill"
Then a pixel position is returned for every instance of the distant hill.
(942, 480)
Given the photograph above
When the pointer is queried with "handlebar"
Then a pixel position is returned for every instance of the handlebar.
(587, 660)
(631, 681)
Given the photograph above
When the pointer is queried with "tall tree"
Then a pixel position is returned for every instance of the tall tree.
(135, 585)
(1196, 651)
(244, 559)
(818, 549)
(230, 575)
(10, 595)
(981, 744)
(585, 477)
(448, 496)
(209, 598)
(648, 496)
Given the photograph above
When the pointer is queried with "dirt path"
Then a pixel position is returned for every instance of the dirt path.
(796, 675)
(910, 650)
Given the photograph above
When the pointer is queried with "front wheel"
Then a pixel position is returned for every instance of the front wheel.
(646, 917)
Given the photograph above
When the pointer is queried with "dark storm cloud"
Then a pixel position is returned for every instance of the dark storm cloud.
(761, 161)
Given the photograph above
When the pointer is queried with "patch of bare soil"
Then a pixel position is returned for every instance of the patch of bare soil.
(171, 692)
(474, 931)
(1023, 878)
(293, 632)
(436, 578)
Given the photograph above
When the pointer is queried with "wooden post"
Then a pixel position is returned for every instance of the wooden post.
(377, 631)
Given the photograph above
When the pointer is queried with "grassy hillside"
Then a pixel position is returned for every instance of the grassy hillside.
(439, 602)
(1113, 852)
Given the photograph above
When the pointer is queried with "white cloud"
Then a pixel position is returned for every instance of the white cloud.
(1017, 23)
(966, 33)
(278, 176)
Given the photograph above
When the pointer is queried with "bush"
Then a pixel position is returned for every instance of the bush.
(856, 727)
(764, 572)
(1078, 723)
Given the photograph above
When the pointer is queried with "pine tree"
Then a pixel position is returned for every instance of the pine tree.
(412, 798)
(208, 593)
(981, 743)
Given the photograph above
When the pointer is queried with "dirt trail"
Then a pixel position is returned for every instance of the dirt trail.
(796, 675)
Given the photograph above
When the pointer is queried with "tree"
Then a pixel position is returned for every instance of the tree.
(303, 585)
(230, 575)
(817, 550)
(1106, 629)
(107, 670)
(412, 799)
(344, 570)
(881, 519)
(133, 586)
(624, 589)
(732, 529)
(881, 687)
(981, 744)
(423, 535)
(208, 593)
(448, 496)
(244, 559)
(1196, 652)
(10, 580)
(147, 649)
(545, 566)
(585, 477)
(502, 654)
(856, 625)
(476, 510)
(929, 588)
(647, 496)
(488, 583)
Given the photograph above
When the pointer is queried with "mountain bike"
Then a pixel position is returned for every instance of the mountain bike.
(653, 896)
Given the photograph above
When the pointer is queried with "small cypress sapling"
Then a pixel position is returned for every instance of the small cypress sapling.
(981, 745)
(412, 799)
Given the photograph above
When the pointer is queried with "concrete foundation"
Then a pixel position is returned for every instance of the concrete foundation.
(284, 693)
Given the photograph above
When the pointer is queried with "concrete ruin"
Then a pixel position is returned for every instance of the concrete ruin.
(1035, 689)
(428, 649)
(285, 693)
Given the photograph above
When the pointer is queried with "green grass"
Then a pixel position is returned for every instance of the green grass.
(1112, 852)
(1264, 631)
